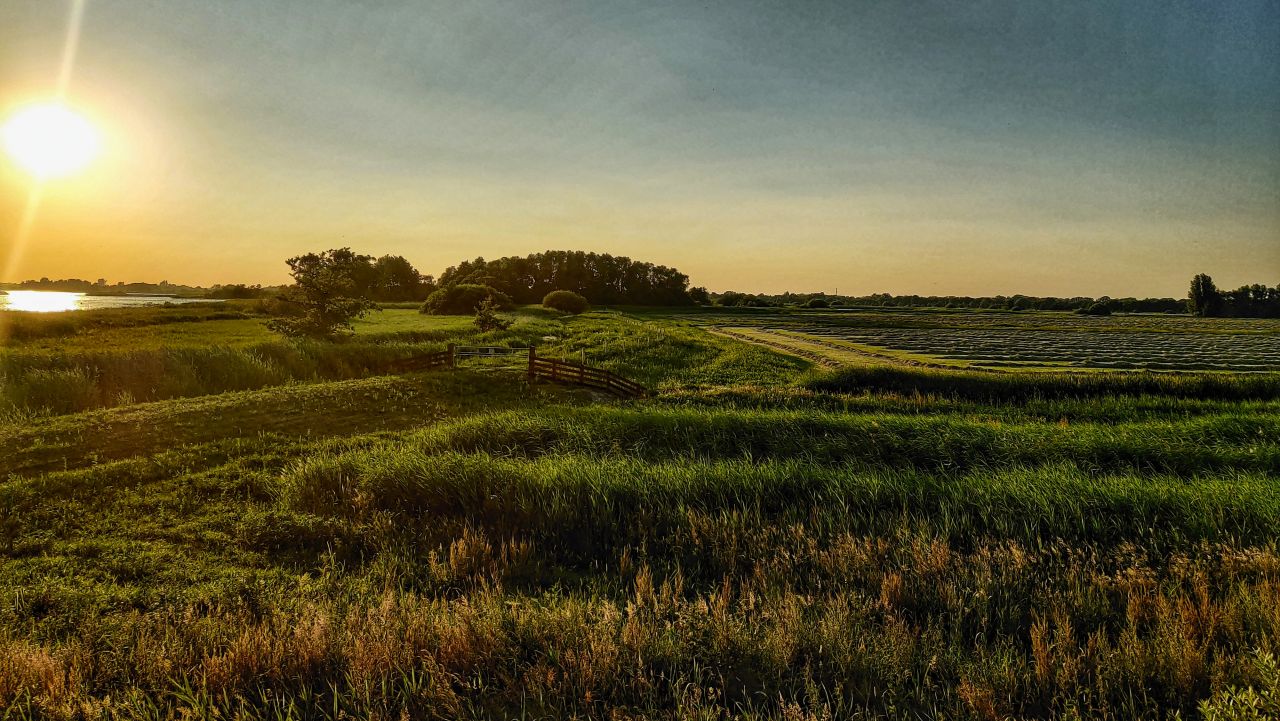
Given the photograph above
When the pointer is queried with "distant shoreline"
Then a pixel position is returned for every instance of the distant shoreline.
(92, 294)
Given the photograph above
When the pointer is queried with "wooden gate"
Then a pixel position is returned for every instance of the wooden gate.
(547, 369)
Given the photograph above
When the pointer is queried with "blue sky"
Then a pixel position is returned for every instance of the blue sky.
(916, 146)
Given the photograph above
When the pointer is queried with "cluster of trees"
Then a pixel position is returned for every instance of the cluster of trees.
(1247, 301)
(600, 278)
(335, 287)
(1204, 299)
(389, 278)
(734, 299)
(236, 291)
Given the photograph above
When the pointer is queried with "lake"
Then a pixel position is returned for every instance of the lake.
(45, 301)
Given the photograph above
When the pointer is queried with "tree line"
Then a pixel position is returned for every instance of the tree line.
(997, 302)
(386, 279)
(1247, 301)
(1204, 299)
(337, 286)
(601, 278)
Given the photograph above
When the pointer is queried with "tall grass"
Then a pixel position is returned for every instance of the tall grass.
(35, 382)
(901, 550)
(467, 585)
(66, 383)
(593, 506)
(941, 443)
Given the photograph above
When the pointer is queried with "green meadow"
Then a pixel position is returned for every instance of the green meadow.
(199, 519)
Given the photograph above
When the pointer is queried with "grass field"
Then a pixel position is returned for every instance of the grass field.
(199, 520)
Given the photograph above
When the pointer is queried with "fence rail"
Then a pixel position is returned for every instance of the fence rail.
(486, 351)
(556, 371)
(426, 362)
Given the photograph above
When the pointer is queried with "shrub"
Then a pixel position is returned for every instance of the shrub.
(487, 317)
(1248, 703)
(1095, 309)
(817, 303)
(463, 299)
(566, 301)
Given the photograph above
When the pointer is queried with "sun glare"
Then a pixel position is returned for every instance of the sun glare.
(50, 140)
(39, 301)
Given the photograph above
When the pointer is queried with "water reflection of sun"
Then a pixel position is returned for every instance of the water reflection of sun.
(40, 301)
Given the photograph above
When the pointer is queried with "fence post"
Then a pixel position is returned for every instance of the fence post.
(533, 356)
(453, 355)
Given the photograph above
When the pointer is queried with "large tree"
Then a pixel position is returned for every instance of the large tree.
(327, 292)
(1204, 299)
(395, 279)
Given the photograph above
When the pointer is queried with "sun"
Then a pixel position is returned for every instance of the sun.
(50, 140)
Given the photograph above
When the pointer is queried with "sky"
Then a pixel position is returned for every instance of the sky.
(1111, 147)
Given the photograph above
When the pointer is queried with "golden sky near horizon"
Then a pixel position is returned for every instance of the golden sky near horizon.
(758, 146)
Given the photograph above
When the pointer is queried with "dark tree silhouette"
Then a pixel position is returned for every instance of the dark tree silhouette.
(1203, 299)
(394, 279)
(326, 288)
(602, 279)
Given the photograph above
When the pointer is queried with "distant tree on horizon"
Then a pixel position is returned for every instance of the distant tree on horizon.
(1204, 299)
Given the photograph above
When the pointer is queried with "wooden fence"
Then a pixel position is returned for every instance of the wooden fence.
(556, 371)
(427, 362)
(484, 351)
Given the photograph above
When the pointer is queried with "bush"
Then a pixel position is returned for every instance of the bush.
(462, 299)
(566, 301)
(817, 303)
(1095, 309)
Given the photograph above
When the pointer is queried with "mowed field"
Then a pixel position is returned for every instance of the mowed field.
(1032, 341)
(817, 515)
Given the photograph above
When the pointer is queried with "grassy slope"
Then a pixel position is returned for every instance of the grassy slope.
(388, 544)
(83, 374)
(309, 410)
